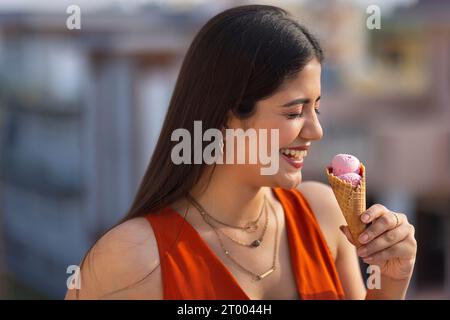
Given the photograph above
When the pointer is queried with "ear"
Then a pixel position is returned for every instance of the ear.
(231, 121)
(223, 130)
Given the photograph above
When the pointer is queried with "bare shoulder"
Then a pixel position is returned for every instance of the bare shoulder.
(324, 205)
(326, 209)
(323, 202)
(123, 264)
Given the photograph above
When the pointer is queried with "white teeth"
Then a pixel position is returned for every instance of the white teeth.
(297, 154)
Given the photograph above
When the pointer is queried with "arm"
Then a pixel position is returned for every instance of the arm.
(123, 264)
(324, 205)
(391, 245)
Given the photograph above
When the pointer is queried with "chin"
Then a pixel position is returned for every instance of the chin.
(288, 180)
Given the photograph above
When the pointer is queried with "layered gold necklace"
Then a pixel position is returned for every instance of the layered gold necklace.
(249, 227)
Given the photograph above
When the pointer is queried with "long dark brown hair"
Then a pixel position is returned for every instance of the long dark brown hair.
(240, 56)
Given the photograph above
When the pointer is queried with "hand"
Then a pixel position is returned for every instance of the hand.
(388, 242)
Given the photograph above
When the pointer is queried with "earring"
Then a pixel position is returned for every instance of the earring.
(221, 144)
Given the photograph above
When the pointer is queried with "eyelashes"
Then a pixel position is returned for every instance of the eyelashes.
(292, 116)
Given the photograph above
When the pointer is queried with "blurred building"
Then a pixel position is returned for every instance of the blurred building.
(80, 112)
(391, 108)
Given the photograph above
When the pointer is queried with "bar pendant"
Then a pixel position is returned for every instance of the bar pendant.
(265, 274)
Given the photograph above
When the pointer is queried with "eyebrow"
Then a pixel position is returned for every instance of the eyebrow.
(299, 101)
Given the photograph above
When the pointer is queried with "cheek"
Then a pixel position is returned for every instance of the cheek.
(289, 131)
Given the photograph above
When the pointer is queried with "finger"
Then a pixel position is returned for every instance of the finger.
(383, 223)
(385, 240)
(401, 250)
(374, 212)
(347, 234)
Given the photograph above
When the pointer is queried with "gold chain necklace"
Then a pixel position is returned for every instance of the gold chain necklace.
(227, 252)
(252, 244)
(249, 227)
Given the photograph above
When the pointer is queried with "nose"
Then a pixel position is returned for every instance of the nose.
(311, 130)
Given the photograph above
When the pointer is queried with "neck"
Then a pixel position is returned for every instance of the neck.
(227, 198)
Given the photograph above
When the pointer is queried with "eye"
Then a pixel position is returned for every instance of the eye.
(296, 112)
(300, 114)
(294, 115)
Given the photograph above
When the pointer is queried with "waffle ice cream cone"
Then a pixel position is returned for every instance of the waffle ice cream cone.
(351, 200)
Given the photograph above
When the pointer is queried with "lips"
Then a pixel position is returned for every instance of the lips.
(306, 147)
(294, 155)
(297, 164)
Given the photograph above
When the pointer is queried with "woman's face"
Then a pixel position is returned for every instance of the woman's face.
(293, 110)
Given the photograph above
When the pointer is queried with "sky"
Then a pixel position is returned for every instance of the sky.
(61, 5)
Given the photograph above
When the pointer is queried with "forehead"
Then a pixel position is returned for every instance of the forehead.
(306, 82)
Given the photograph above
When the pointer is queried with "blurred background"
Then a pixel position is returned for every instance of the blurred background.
(80, 112)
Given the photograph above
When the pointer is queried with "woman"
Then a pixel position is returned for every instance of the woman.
(225, 231)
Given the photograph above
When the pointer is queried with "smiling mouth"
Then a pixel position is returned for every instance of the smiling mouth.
(296, 155)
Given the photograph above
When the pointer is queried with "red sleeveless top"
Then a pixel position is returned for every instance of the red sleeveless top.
(191, 270)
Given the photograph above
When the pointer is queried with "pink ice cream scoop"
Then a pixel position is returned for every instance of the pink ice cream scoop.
(351, 177)
(345, 163)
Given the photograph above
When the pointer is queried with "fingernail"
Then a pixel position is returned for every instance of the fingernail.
(365, 217)
(362, 252)
(364, 237)
(368, 259)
